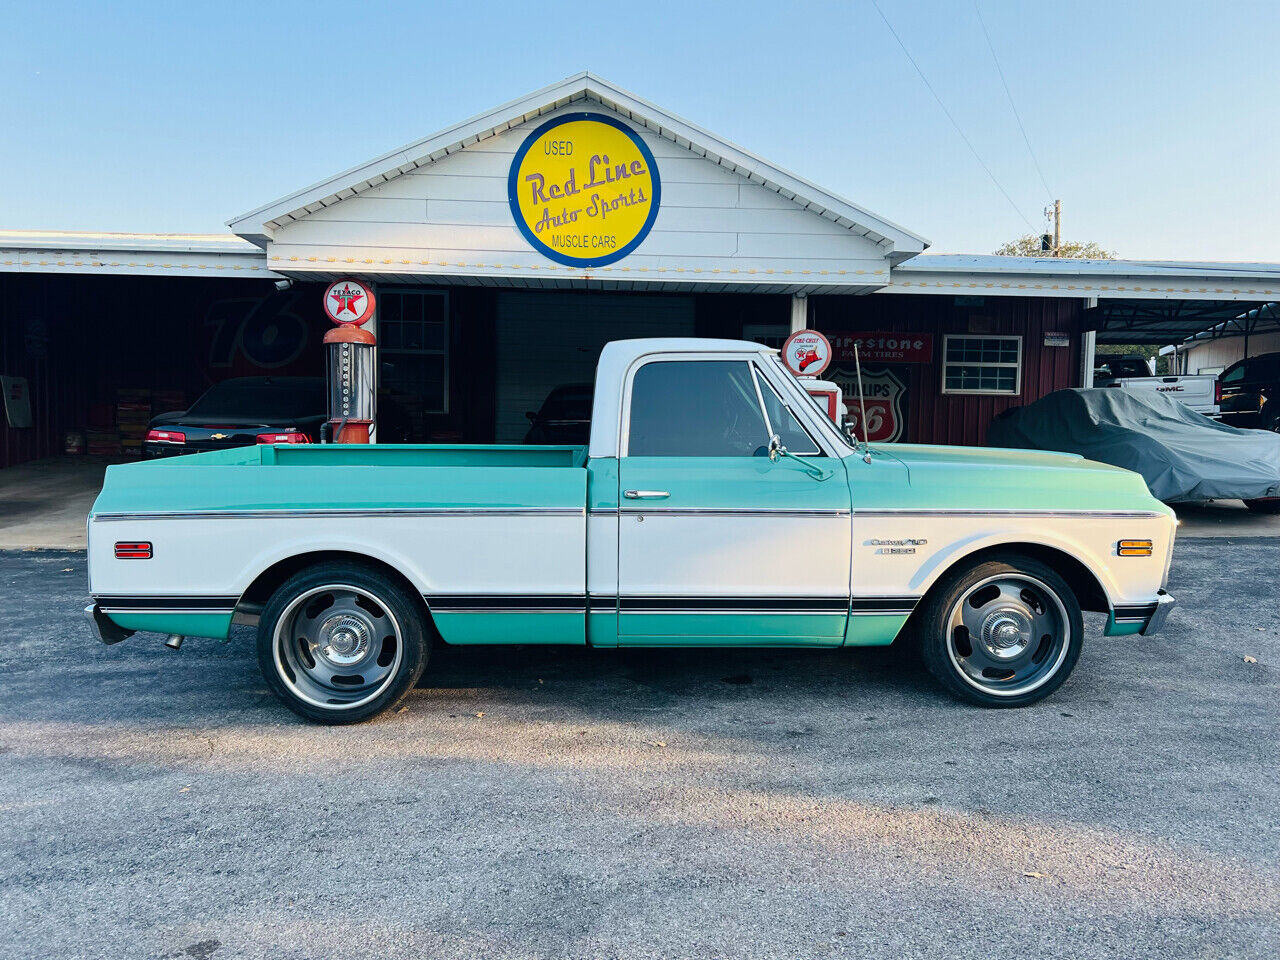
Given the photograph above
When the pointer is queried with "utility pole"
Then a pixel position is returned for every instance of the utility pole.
(1056, 213)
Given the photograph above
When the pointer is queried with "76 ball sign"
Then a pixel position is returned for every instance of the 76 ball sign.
(348, 302)
(806, 353)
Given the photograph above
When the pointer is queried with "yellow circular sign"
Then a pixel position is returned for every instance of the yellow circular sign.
(584, 189)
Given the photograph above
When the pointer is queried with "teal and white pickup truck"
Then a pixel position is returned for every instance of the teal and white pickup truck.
(714, 506)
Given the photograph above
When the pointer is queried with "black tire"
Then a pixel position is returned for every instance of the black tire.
(1033, 625)
(1264, 505)
(339, 643)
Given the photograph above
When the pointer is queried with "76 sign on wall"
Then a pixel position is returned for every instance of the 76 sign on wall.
(884, 396)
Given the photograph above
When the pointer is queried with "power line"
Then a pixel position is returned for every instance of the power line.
(1012, 106)
(982, 163)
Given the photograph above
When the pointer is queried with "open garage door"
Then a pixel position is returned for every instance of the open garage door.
(549, 338)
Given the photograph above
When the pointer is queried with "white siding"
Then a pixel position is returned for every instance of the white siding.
(454, 212)
(546, 339)
(1214, 355)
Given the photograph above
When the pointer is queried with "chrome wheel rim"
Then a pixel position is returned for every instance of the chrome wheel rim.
(1008, 634)
(338, 646)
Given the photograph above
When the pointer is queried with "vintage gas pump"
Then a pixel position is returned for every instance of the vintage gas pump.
(351, 353)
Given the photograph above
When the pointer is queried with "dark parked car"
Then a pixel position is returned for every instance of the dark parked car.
(1249, 393)
(240, 413)
(564, 417)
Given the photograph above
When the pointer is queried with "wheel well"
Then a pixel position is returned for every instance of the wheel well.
(269, 580)
(1079, 578)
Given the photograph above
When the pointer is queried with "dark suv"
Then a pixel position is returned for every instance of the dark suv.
(1248, 392)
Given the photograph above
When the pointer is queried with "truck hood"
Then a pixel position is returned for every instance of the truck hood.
(999, 478)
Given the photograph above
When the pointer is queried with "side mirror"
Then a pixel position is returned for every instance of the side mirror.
(851, 432)
(531, 415)
(776, 449)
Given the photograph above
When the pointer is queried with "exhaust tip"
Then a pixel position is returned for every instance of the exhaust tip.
(174, 641)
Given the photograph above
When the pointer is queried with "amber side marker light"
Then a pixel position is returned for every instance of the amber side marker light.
(1134, 548)
(133, 551)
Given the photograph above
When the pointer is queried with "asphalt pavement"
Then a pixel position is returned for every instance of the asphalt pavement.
(595, 804)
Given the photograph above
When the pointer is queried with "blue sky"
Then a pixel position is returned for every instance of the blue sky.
(1157, 124)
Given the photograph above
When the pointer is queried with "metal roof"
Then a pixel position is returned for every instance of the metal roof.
(257, 225)
(134, 254)
(1172, 321)
(1106, 279)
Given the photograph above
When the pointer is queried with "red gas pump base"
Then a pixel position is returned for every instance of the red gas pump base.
(353, 431)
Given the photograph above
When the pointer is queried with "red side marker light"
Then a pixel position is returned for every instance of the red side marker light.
(133, 551)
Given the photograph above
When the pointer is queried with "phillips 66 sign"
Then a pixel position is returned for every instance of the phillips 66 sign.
(884, 396)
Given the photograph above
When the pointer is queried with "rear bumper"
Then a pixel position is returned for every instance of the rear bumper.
(1144, 619)
(103, 628)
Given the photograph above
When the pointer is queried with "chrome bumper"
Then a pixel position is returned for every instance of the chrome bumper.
(1164, 604)
(103, 627)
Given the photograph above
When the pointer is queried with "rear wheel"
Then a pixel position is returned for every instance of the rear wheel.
(340, 643)
(1004, 633)
(1264, 505)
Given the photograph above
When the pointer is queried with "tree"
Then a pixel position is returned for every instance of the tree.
(1029, 246)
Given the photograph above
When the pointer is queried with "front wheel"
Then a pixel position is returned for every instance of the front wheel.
(340, 643)
(1264, 505)
(1004, 633)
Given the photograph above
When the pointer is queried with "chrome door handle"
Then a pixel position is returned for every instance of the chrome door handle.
(645, 494)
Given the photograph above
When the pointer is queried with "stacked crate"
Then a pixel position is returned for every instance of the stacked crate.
(133, 416)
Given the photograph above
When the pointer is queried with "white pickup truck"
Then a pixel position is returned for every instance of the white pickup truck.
(1133, 373)
(715, 505)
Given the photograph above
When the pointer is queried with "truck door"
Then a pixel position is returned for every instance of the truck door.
(717, 543)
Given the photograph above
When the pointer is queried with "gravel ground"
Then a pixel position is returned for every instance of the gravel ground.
(595, 804)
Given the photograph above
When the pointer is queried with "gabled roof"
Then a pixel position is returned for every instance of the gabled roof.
(257, 225)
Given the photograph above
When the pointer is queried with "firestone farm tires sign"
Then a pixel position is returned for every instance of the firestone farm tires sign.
(584, 189)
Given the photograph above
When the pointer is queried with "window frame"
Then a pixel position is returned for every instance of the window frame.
(1016, 367)
(757, 371)
(445, 352)
(757, 375)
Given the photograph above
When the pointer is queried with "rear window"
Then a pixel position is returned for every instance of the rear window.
(1265, 367)
(263, 398)
(568, 403)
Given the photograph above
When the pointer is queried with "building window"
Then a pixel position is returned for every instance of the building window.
(981, 364)
(413, 334)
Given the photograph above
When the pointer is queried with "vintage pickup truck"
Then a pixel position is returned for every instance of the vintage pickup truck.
(715, 505)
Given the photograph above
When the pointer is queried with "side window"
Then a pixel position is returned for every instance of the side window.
(793, 436)
(695, 408)
(1234, 375)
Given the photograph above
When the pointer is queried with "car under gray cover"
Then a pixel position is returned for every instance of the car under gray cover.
(1181, 454)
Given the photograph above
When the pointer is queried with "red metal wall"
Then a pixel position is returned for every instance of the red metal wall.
(963, 419)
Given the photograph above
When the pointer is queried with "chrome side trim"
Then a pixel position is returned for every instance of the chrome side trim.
(732, 512)
(168, 610)
(947, 512)
(345, 513)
